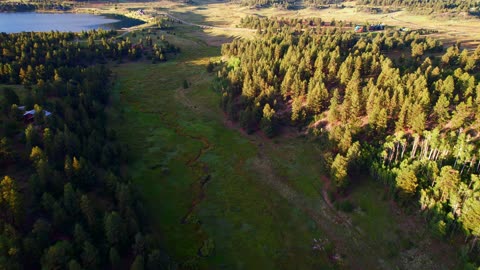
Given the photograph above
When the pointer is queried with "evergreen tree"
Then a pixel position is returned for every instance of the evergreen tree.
(338, 171)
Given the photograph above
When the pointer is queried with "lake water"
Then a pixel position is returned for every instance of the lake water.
(41, 22)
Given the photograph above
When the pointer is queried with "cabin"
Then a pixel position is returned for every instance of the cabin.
(29, 116)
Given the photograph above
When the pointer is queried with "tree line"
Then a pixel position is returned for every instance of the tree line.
(396, 102)
(30, 58)
(415, 6)
(298, 24)
(427, 7)
(33, 6)
(66, 200)
(266, 3)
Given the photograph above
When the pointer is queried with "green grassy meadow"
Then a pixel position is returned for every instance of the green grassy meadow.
(177, 142)
(258, 200)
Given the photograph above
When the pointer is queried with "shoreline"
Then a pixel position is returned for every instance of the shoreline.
(121, 21)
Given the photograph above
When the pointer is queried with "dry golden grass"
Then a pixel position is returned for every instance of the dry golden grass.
(450, 30)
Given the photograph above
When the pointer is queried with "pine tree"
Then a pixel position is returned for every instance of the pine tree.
(79, 235)
(87, 210)
(298, 112)
(11, 200)
(441, 110)
(418, 120)
(381, 121)
(470, 217)
(447, 182)
(333, 109)
(316, 97)
(89, 256)
(57, 256)
(267, 123)
(406, 182)
(338, 171)
(460, 115)
(70, 200)
(114, 228)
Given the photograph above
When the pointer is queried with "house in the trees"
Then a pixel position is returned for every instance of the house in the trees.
(29, 116)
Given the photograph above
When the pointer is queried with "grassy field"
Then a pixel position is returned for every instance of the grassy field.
(224, 14)
(259, 201)
(178, 146)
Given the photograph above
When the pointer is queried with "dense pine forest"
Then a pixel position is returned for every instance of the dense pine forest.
(32, 6)
(398, 103)
(66, 200)
(265, 3)
(414, 6)
(426, 7)
(287, 4)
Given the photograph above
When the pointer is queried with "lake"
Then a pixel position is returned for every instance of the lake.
(64, 22)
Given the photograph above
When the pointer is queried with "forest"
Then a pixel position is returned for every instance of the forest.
(265, 3)
(399, 103)
(286, 4)
(67, 201)
(427, 7)
(413, 6)
(32, 6)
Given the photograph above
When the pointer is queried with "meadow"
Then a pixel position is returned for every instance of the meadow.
(194, 171)
(449, 29)
(222, 199)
